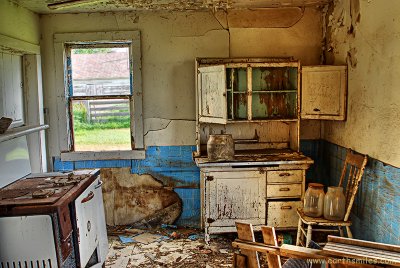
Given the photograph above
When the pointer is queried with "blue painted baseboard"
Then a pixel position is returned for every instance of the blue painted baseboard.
(172, 165)
(376, 212)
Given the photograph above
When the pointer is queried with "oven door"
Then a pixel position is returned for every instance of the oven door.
(91, 227)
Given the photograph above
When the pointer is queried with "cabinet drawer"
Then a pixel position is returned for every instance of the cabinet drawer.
(283, 214)
(284, 190)
(284, 176)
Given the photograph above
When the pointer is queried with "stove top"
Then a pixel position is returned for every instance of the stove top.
(41, 190)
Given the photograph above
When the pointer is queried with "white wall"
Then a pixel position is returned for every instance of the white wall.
(373, 54)
(170, 43)
(19, 23)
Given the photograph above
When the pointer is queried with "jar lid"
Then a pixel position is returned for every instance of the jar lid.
(315, 185)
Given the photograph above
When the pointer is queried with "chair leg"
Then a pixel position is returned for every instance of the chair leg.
(299, 233)
(341, 231)
(349, 234)
(309, 233)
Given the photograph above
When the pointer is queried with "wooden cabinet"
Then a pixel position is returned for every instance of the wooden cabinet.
(257, 101)
(231, 90)
(247, 91)
(260, 194)
(324, 91)
(232, 196)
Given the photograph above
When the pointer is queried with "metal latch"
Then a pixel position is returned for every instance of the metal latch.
(209, 178)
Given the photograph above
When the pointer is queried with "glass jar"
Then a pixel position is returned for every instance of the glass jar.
(314, 200)
(334, 204)
(220, 147)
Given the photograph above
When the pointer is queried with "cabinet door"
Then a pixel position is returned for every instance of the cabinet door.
(211, 86)
(235, 195)
(324, 92)
(11, 91)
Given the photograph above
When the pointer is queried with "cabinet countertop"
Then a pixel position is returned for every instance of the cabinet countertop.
(257, 160)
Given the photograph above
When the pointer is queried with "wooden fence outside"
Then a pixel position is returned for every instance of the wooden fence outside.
(102, 110)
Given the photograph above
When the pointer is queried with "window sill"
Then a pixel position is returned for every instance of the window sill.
(103, 155)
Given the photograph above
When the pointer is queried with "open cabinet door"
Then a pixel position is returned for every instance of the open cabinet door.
(211, 86)
(324, 91)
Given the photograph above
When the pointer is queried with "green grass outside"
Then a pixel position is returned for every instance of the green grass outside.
(102, 139)
(113, 134)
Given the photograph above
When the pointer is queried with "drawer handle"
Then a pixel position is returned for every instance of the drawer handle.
(286, 207)
(316, 110)
(99, 184)
(88, 197)
(286, 174)
(284, 189)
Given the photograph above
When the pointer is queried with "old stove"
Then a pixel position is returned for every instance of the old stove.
(53, 220)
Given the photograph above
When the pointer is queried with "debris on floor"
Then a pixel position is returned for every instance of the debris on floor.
(167, 246)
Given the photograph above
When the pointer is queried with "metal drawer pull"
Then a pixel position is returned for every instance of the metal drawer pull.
(316, 110)
(88, 197)
(99, 185)
(286, 207)
(286, 174)
(284, 189)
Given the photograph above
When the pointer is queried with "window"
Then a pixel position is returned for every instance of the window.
(100, 94)
(101, 75)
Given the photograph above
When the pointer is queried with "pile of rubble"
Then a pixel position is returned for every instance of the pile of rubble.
(166, 246)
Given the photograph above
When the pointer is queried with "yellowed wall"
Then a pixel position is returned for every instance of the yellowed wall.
(170, 43)
(373, 54)
(19, 23)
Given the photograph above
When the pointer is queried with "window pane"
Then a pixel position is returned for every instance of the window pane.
(100, 71)
(101, 125)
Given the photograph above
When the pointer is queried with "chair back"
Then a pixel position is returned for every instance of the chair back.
(350, 179)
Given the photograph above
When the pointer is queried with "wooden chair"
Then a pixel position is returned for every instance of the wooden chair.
(352, 172)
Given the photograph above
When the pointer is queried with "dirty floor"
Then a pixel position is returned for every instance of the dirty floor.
(167, 247)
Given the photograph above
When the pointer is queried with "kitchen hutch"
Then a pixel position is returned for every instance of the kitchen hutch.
(257, 101)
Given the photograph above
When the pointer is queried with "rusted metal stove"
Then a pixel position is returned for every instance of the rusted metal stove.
(53, 220)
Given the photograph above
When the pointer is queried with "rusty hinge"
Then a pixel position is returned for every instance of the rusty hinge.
(209, 220)
(209, 178)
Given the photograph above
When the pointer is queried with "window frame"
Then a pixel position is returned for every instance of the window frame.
(65, 131)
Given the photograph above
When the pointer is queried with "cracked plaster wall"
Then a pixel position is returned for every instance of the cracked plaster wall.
(365, 35)
(170, 43)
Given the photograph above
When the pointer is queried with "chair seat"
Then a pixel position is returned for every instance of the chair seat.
(320, 221)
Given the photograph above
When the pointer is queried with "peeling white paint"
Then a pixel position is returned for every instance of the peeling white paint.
(373, 53)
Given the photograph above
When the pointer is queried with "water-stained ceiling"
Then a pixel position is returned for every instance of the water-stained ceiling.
(41, 6)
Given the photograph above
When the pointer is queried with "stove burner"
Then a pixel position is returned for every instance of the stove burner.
(43, 193)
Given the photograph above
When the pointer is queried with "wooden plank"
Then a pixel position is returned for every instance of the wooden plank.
(362, 250)
(255, 246)
(292, 251)
(239, 261)
(269, 238)
(245, 232)
(362, 243)
(285, 250)
(356, 254)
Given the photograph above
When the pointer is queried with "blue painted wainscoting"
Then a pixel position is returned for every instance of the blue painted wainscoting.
(376, 211)
(172, 165)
